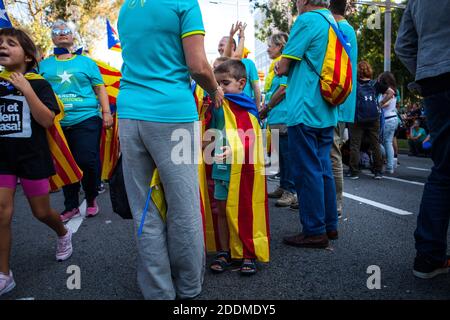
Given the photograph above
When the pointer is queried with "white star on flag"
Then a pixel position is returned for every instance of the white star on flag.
(65, 77)
(115, 37)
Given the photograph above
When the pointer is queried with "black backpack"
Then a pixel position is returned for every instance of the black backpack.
(367, 108)
(118, 194)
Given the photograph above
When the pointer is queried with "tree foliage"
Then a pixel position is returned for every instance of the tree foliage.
(88, 16)
(280, 14)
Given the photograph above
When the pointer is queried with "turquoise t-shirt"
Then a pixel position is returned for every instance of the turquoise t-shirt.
(278, 115)
(309, 35)
(252, 76)
(73, 81)
(348, 108)
(155, 84)
(421, 132)
(220, 171)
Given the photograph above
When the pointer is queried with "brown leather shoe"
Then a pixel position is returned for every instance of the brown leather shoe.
(300, 240)
(333, 235)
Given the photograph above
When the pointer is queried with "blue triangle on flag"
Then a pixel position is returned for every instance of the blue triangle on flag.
(113, 38)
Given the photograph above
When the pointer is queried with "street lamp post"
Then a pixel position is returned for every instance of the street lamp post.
(387, 36)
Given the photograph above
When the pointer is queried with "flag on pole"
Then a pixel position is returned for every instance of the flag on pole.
(113, 38)
(4, 19)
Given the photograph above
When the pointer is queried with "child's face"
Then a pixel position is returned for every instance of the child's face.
(229, 84)
(12, 55)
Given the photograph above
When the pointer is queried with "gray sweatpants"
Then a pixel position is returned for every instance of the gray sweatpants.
(171, 254)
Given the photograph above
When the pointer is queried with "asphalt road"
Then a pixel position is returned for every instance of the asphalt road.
(370, 235)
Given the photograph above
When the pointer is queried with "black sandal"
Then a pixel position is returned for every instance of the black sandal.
(248, 268)
(219, 262)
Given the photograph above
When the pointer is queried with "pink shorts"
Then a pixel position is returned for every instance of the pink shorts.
(31, 188)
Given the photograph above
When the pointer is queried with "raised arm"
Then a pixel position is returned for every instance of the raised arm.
(239, 53)
(228, 51)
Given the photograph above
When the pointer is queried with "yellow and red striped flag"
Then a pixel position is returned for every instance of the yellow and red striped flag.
(336, 75)
(247, 205)
(109, 142)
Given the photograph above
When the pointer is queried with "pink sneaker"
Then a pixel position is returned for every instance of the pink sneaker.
(64, 246)
(92, 209)
(67, 215)
(7, 283)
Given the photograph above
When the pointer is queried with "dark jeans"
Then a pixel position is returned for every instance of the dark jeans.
(84, 143)
(311, 169)
(434, 215)
(357, 132)
(415, 147)
(286, 180)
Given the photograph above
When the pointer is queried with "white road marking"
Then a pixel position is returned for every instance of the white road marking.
(26, 298)
(399, 180)
(419, 169)
(75, 223)
(378, 205)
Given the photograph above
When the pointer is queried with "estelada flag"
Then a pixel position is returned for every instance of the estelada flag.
(67, 170)
(113, 38)
(247, 204)
(109, 142)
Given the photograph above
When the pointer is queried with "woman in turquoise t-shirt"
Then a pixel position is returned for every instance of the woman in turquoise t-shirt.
(276, 112)
(416, 137)
(77, 81)
(162, 45)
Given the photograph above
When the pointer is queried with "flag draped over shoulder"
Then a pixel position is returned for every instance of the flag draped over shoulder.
(109, 142)
(67, 170)
(247, 205)
(113, 38)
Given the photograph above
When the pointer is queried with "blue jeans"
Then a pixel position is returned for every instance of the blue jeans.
(390, 126)
(434, 215)
(84, 143)
(313, 176)
(286, 181)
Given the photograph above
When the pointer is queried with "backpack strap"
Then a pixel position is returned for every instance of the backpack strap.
(306, 58)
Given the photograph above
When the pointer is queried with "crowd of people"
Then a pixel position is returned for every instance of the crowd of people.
(155, 100)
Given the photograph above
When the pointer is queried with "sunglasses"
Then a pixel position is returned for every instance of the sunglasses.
(61, 32)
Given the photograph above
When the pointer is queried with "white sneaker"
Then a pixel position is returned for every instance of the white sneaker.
(7, 283)
(64, 246)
